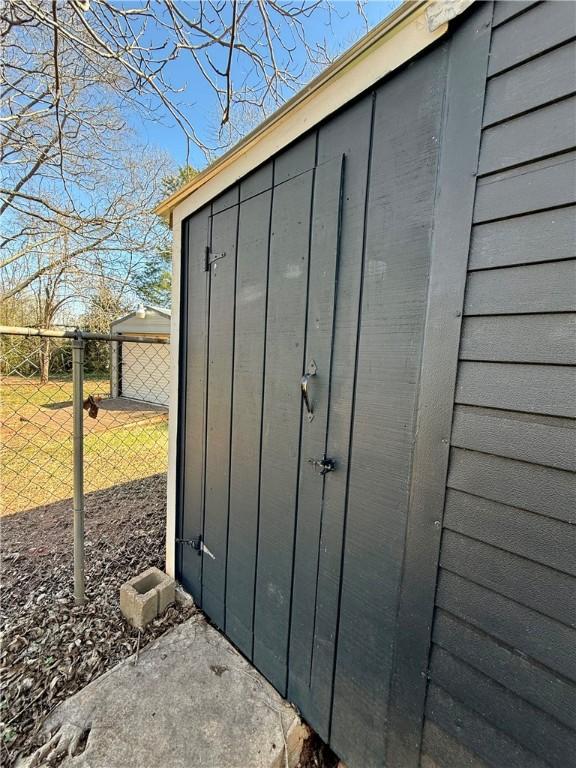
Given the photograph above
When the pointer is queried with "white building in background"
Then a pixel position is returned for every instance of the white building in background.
(141, 371)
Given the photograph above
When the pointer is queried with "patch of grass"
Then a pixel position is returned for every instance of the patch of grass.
(36, 454)
(18, 393)
(125, 453)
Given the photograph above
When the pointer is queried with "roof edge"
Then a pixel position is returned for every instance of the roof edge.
(160, 310)
(411, 28)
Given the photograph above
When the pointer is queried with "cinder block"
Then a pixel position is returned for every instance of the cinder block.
(146, 596)
(144, 608)
(166, 594)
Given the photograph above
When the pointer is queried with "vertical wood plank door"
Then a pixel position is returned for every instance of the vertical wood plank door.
(222, 282)
(292, 483)
(319, 268)
(269, 312)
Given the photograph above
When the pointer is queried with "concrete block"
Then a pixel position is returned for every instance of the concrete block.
(166, 594)
(146, 596)
(144, 608)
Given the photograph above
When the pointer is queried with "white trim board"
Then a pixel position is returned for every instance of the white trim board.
(173, 405)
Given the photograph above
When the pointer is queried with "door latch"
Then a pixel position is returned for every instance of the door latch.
(324, 465)
(197, 544)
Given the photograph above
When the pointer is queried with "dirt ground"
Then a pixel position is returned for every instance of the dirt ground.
(49, 648)
(55, 417)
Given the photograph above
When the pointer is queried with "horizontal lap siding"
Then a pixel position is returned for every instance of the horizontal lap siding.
(526, 188)
(505, 10)
(548, 541)
(544, 641)
(540, 29)
(514, 672)
(526, 289)
(518, 387)
(535, 237)
(536, 439)
(540, 133)
(533, 339)
(502, 665)
(533, 84)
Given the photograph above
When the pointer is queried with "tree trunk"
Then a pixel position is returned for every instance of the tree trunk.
(44, 360)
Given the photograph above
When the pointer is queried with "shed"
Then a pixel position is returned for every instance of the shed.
(371, 486)
(141, 370)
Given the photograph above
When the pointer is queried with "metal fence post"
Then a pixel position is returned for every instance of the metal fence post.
(78, 465)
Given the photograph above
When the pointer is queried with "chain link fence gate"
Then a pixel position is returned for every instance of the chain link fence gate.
(68, 428)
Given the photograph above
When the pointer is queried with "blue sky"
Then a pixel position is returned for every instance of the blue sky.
(346, 27)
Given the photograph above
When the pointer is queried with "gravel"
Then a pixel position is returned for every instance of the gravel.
(50, 648)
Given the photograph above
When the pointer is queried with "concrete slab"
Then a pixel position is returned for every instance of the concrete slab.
(190, 700)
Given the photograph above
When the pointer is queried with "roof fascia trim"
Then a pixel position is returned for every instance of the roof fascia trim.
(159, 310)
(396, 40)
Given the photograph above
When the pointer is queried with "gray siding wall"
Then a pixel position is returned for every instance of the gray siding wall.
(502, 674)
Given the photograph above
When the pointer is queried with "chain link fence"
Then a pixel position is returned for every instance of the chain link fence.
(124, 427)
(83, 457)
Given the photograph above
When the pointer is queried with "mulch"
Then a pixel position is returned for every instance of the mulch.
(50, 648)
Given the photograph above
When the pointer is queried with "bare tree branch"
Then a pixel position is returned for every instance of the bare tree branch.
(78, 76)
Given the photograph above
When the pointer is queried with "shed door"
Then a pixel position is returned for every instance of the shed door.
(270, 314)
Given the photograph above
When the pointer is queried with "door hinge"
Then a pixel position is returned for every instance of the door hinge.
(211, 257)
(197, 544)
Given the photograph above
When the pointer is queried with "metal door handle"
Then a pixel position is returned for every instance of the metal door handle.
(304, 388)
